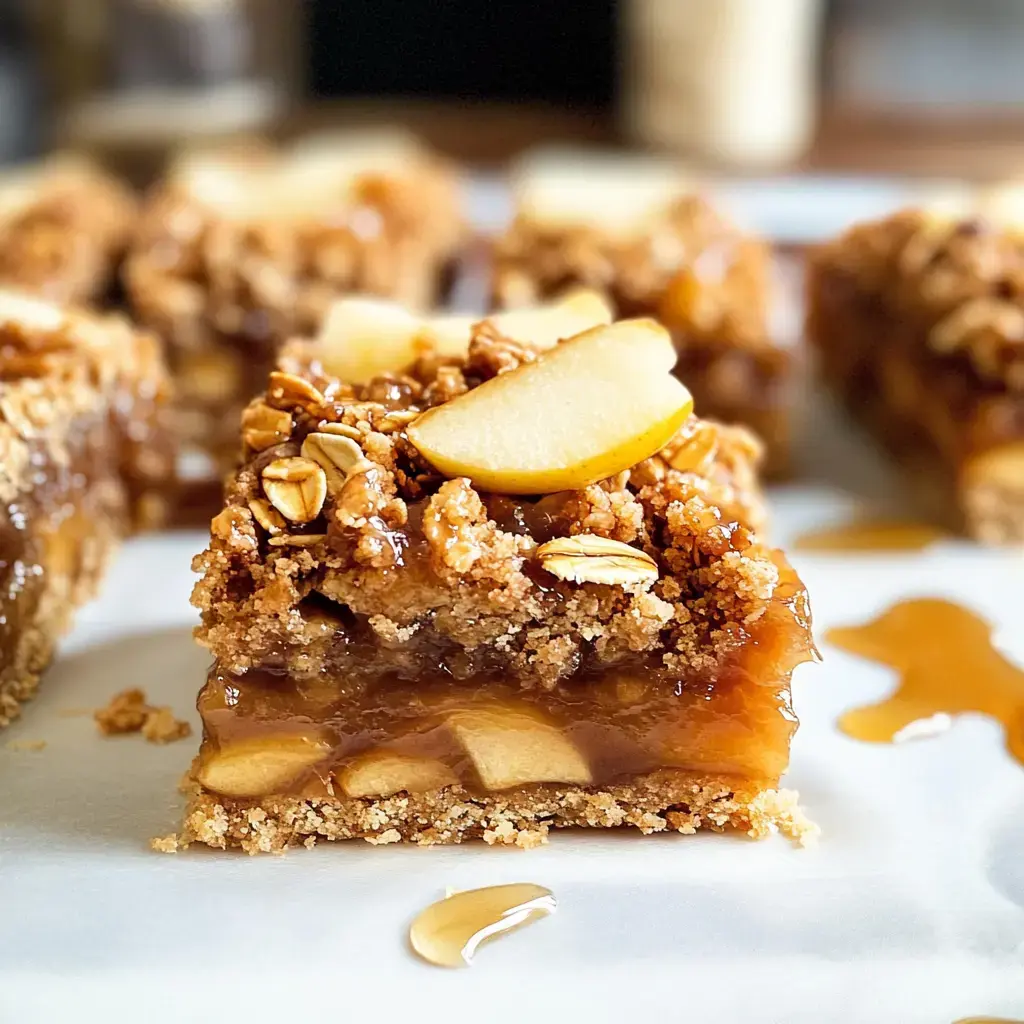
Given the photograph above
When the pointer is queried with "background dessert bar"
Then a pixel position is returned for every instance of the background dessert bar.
(84, 458)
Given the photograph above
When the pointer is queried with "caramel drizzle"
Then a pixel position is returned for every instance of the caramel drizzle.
(868, 535)
(947, 665)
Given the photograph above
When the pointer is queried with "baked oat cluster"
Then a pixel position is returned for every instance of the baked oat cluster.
(404, 654)
(334, 497)
(919, 322)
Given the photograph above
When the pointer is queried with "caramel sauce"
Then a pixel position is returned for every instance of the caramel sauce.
(449, 932)
(987, 1020)
(871, 535)
(947, 665)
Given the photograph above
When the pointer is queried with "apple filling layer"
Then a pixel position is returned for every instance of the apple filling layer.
(268, 734)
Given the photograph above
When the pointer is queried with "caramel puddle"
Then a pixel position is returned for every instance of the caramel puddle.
(871, 535)
(449, 932)
(987, 1020)
(947, 664)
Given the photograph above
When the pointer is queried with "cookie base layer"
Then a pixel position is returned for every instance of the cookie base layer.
(658, 802)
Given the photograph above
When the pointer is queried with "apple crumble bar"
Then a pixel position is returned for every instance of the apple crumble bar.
(516, 589)
(918, 324)
(64, 227)
(640, 230)
(240, 249)
(84, 457)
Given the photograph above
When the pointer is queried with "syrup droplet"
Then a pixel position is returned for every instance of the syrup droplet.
(947, 665)
(871, 535)
(448, 932)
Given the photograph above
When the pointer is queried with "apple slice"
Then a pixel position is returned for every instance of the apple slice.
(595, 405)
(362, 337)
(382, 773)
(260, 766)
(514, 748)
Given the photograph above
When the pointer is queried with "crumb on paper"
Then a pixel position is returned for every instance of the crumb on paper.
(165, 844)
(128, 711)
(26, 745)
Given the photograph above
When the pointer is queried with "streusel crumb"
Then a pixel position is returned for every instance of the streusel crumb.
(129, 712)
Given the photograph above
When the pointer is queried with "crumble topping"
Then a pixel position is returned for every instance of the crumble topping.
(961, 280)
(128, 712)
(386, 545)
(725, 306)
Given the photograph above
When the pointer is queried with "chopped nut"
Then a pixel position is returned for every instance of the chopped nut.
(335, 454)
(298, 540)
(289, 390)
(327, 427)
(263, 426)
(296, 487)
(266, 515)
(588, 558)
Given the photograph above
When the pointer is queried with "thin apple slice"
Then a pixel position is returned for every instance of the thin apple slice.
(589, 408)
(513, 748)
(383, 773)
(362, 337)
(260, 766)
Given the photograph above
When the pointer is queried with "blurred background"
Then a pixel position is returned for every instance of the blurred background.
(921, 87)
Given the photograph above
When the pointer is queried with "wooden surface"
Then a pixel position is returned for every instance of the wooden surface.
(489, 134)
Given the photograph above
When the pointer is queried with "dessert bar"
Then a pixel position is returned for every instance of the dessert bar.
(240, 249)
(917, 320)
(640, 230)
(84, 455)
(64, 227)
(505, 591)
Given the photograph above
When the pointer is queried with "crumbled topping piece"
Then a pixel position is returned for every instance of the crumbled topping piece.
(128, 712)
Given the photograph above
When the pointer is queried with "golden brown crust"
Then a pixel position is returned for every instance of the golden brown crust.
(66, 240)
(660, 801)
(84, 456)
(411, 554)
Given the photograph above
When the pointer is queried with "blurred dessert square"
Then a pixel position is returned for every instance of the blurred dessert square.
(85, 455)
(515, 588)
(917, 320)
(241, 248)
(640, 229)
(64, 227)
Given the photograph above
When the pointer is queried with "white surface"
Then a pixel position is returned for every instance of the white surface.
(910, 910)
